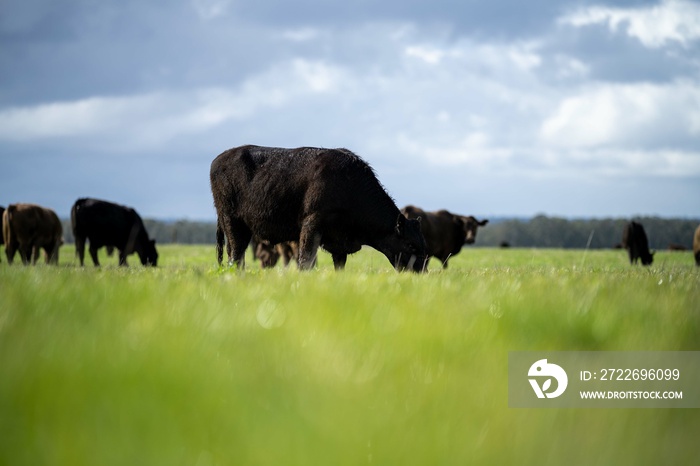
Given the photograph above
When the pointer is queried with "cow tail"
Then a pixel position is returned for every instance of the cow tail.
(73, 218)
(219, 241)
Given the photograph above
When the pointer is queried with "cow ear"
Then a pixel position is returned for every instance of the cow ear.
(420, 219)
(483, 222)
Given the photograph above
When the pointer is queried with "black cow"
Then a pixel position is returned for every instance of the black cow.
(111, 225)
(318, 197)
(696, 246)
(445, 233)
(634, 239)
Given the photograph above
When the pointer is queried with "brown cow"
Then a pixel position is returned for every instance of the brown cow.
(445, 233)
(696, 246)
(27, 228)
(269, 254)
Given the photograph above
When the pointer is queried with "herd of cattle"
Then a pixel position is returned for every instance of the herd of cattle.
(285, 203)
(29, 228)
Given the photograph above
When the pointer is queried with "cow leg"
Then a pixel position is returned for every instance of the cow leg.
(339, 261)
(93, 254)
(444, 261)
(80, 249)
(309, 241)
(122, 258)
(54, 253)
(51, 250)
(36, 252)
(10, 250)
(238, 237)
(237, 247)
(220, 242)
(25, 253)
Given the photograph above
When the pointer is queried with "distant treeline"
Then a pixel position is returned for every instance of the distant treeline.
(539, 232)
(553, 232)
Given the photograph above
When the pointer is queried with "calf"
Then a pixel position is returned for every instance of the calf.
(445, 233)
(270, 254)
(634, 239)
(319, 197)
(28, 228)
(111, 225)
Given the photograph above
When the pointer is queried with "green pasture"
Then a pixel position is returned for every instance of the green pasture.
(190, 364)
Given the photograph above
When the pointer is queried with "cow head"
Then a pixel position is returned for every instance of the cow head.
(148, 253)
(470, 226)
(647, 258)
(407, 245)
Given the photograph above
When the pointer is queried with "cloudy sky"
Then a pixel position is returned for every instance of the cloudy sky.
(562, 107)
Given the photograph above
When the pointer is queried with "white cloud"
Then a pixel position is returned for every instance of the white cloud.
(210, 9)
(475, 150)
(508, 57)
(155, 118)
(654, 26)
(627, 162)
(429, 55)
(626, 115)
(301, 35)
(71, 118)
(317, 76)
(569, 67)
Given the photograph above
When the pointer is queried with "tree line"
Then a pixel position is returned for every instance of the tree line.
(555, 232)
(537, 232)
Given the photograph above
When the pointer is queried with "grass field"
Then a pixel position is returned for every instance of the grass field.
(188, 364)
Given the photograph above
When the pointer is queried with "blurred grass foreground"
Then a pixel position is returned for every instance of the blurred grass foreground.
(189, 364)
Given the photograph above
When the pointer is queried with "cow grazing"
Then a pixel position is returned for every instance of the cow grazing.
(445, 233)
(318, 197)
(696, 246)
(634, 239)
(28, 228)
(110, 225)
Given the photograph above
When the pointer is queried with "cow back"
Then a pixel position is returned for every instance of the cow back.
(105, 223)
(273, 189)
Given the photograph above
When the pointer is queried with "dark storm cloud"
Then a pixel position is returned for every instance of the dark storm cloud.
(66, 51)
